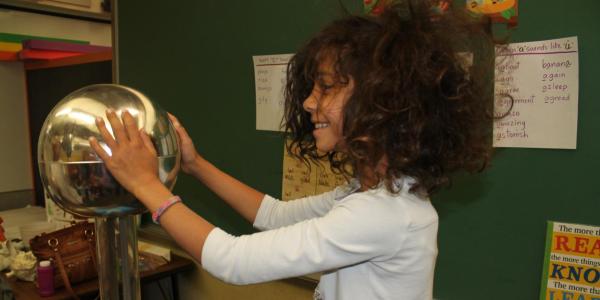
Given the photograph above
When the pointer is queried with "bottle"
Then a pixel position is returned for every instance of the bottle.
(45, 278)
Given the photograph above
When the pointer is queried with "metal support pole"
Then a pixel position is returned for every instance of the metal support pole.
(117, 258)
(108, 281)
(129, 258)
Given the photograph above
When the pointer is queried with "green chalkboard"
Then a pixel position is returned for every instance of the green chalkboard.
(493, 226)
(195, 59)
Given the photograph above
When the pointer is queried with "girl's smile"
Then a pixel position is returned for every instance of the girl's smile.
(325, 105)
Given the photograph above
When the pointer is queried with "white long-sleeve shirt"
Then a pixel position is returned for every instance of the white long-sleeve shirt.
(370, 245)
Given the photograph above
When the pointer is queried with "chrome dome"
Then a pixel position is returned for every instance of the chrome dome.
(73, 176)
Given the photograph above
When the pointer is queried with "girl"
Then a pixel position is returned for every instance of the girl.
(392, 104)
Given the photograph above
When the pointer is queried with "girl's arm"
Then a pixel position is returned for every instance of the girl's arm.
(186, 227)
(358, 229)
(241, 197)
(244, 199)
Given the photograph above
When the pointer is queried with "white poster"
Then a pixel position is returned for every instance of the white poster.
(269, 80)
(543, 80)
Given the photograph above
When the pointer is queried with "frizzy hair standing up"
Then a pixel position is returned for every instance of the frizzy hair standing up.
(415, 101)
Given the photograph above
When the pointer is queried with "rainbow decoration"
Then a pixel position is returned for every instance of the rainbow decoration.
(376, 7)
(505, 11)
(27, 47)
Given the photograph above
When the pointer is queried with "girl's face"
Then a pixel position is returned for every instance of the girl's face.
(325, 105)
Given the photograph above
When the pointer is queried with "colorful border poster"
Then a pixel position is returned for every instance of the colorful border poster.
(571, 262)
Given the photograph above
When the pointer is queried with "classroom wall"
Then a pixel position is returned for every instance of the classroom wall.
(493, 225)
(15, 157)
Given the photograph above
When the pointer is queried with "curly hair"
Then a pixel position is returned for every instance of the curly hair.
(416, 101)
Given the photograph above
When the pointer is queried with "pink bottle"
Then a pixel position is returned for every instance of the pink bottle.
(45, 278)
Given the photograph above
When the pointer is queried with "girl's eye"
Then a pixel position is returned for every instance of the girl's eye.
(324, 86)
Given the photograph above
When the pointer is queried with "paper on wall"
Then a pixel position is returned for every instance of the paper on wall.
(300, 180)
(543, 80)
(269, 80)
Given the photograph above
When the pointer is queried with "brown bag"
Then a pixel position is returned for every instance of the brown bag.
(73, 252)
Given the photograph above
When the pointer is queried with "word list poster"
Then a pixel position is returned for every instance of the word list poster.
(269, 79)
(537, 88)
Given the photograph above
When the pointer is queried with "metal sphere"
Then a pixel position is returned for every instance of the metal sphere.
(73, 176)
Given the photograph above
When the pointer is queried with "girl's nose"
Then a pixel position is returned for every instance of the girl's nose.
(310, 103)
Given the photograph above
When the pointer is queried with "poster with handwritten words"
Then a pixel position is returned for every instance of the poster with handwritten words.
(300, 180)
(269, 79)
(542, 78)
(571, 262)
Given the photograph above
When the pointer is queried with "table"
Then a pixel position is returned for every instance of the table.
(24, 290)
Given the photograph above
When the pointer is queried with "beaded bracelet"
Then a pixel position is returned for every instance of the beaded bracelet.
(163, 207)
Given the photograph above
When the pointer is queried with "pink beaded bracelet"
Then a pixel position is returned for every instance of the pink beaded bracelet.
(163, 207)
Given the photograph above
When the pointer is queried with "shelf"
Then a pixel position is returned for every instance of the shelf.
(74, 60)
(29, 6)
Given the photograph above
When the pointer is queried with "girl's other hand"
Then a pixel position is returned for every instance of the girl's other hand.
(132, 161)
(189, 155)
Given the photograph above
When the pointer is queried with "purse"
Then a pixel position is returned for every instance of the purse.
(73, 252)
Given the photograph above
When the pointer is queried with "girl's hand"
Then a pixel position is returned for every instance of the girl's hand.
(133, 162)
(189, 155)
